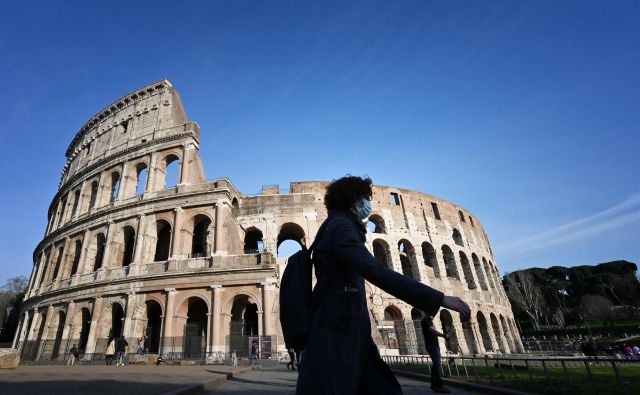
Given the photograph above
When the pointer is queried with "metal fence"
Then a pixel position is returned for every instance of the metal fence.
(547, 375)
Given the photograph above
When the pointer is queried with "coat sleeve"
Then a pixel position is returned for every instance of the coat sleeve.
(348, 248)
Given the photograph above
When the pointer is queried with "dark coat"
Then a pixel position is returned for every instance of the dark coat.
(341, 357)
(121, 345)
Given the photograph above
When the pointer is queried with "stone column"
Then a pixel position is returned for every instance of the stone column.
(64, 262)
(98, 304)
(124, 183)
(220, 240)
(268, 288)
(134, 267)
(217, 343)
(151, 175)
(187, 158)
(176, 238)
(106, 255)
(127, 328)
(71, 306)
(167, 326)
(83, 258)
(45, 332)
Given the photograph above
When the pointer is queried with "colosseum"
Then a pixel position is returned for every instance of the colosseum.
(138, 241)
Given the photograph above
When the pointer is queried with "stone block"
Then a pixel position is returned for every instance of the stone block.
(9, 358)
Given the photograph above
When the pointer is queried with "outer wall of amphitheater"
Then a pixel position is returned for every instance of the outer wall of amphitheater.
(138, 241)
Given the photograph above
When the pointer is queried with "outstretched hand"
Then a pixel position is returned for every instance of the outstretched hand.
(456, 304)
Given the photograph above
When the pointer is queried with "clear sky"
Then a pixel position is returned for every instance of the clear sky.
(525, 113)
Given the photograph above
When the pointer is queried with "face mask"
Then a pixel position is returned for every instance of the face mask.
(363, 208)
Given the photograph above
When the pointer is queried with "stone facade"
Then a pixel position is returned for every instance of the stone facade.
(138, 241)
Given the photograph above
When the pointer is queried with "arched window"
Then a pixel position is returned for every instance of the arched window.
(154, 324)
(396, 337)
(76, 257)
(117, 318)
(142, 174)
(63, 205)
(430, 258)
(448, 327)
(489, 274)
(466, 269)
(94, 194)
(171, 171)
(253, 241)
(163, 241)
(199, 245)
(381, 253)
(129, 240)
(58, 262)
(76, 200)
(291, 238)
(407, 259)
(100, 244)
(479, 273)
(484, 332)
(115, 186)
(376, 224)
(450, 262)
(457, 237)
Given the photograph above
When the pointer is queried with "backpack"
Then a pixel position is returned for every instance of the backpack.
(296, 310)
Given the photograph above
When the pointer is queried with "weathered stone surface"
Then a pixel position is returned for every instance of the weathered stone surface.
(137, 359)
(9, 358)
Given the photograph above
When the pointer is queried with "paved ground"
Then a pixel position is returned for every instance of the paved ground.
(98, 379)
(279, 381)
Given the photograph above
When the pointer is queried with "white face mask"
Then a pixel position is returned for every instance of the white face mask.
(363, 208)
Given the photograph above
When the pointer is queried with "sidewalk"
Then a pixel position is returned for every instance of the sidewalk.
(130, 379)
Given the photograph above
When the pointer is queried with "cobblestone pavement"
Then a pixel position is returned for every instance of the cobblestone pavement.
(279, 381)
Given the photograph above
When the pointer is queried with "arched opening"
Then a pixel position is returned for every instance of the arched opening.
(416, 317)
(450, 262)
(163, 241)
(56, 269)
(479, 273)
(430, 258)
(466, 269)
(43, 319)
(244, 323)
(195, 330)
(484, 332)
(408, 259)
(154, 325)
(76, 200)
(94, 194)
(100, 242)
(115, 186)
(253, 243)
(55, 353)
(117, 321)
(129, 240)
(451, 342)
(381, 253)
(76, 257)
(376, 224)
(63, 206)
(469, 337)
(497, 332)
(291, 238)
(171, 171)
(396, 334)
(85, 325)
(235, 207)
(488, 271)
(141, 178)
(457, 237)
(199, 245)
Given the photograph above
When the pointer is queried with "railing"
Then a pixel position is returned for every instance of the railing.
(538, 375)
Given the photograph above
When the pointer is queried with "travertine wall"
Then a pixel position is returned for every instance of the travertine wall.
(196, 259)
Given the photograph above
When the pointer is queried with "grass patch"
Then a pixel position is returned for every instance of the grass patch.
(554, 380)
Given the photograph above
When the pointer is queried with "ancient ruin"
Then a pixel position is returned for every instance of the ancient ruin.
(140, 242)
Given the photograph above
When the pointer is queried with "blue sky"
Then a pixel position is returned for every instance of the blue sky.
(524, 113)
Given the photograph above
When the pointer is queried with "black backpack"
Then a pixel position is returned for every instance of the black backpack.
(296, 310)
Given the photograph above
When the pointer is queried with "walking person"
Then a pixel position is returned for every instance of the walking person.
(292, 358)
(340, 356)
(121, 348)
(432, 345)
(73, 354)
(141, 342)
(254, 354)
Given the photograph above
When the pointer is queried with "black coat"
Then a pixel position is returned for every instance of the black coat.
(341, 357)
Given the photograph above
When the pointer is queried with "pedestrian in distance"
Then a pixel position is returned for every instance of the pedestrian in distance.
(141, 342)
(121, 348)
(73, 354)
(340, 356)
(432, 345)
(234, 358)
(292, 358)
(254, 354)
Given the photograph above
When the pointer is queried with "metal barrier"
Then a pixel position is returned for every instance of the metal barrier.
(538, 375)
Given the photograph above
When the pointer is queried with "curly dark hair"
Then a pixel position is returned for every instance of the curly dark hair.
(344, 192)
